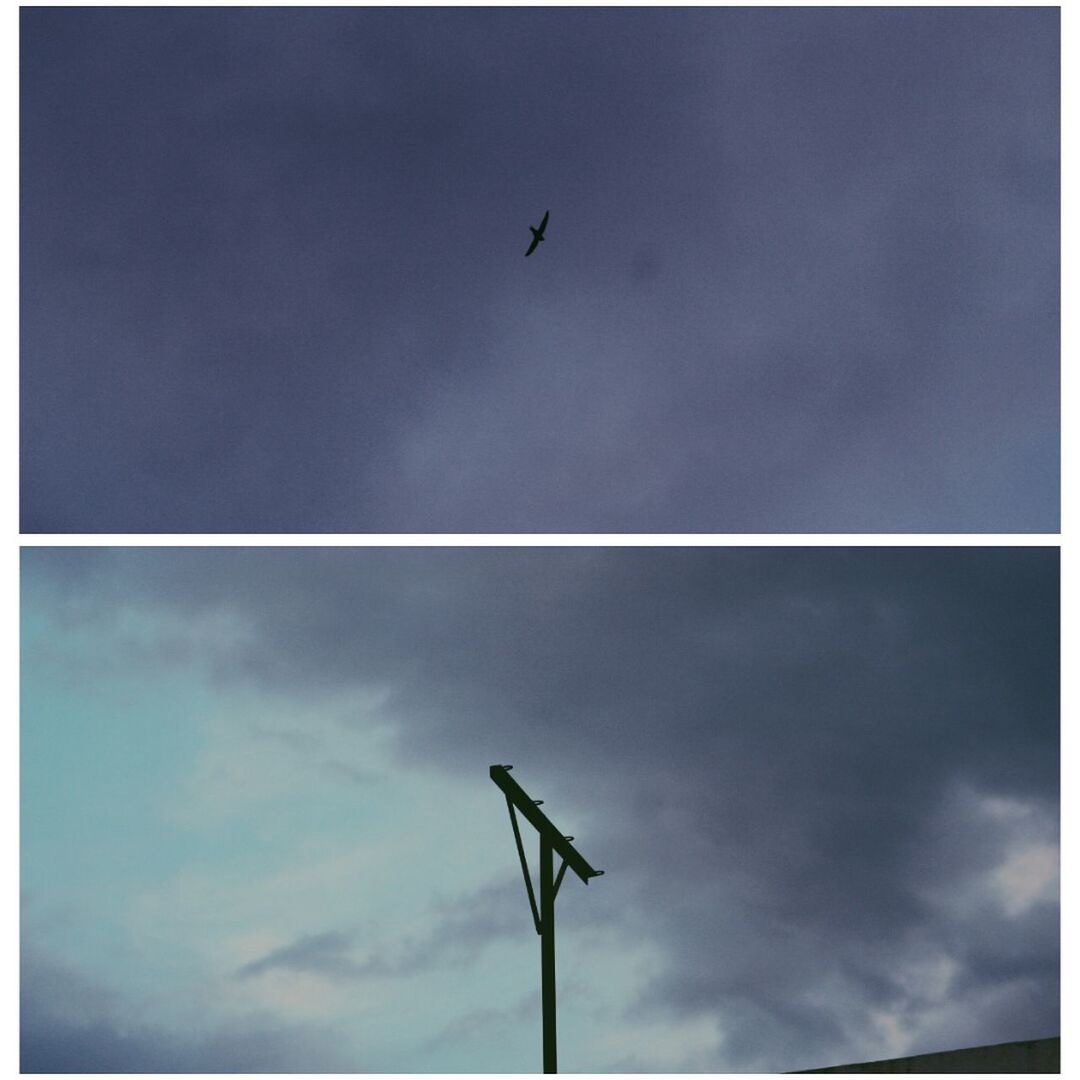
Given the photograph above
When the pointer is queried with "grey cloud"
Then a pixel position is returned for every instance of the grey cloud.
(461, 929)
(69, 1024)
(321, 954)
(802, 270)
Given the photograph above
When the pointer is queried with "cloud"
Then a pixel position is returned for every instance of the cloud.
(801, 274)
(69, 1024)
(1029, 876)
(323, 954)
(459, 930)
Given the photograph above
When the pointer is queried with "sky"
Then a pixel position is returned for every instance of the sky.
(801, 271)
(258, 831)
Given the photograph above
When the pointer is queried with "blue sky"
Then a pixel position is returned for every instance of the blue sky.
(258, 832)
(801, 273)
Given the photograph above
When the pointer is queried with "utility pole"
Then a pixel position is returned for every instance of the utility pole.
(547, 954)
(552, 842)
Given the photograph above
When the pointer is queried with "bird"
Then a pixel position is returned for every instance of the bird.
(538, 234)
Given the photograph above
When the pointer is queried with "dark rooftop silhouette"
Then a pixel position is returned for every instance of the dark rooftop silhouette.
(1026, 1056)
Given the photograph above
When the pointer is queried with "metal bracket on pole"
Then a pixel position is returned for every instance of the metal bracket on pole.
(551, 842)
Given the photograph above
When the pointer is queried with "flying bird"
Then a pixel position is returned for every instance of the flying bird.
(538, 234)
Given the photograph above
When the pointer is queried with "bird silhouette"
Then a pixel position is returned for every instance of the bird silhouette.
(538, 234)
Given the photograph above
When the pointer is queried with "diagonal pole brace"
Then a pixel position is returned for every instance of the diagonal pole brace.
(525, 865)
(558, 879)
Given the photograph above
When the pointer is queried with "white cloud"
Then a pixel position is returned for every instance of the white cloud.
(1028, 875)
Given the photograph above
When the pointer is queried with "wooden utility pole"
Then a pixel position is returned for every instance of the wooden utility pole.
(552, 842)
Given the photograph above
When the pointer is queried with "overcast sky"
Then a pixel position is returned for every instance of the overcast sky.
(258, 831)
(800, 273)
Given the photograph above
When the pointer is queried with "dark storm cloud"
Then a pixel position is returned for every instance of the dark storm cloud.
(801, 271)
(801, 768)
(71, 1025)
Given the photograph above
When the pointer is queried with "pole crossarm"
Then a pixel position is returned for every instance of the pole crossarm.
(539, 820)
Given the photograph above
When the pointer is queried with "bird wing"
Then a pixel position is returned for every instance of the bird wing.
(543, 224)
(532, 246)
